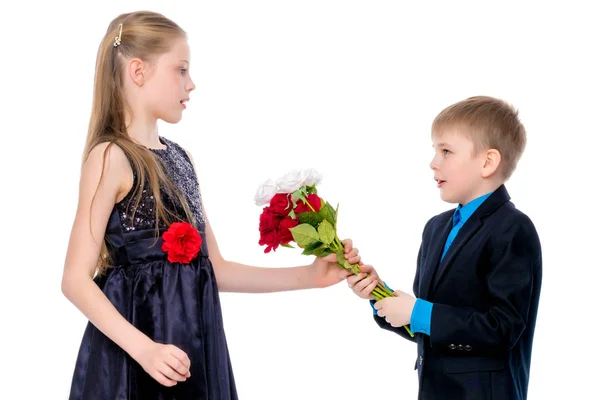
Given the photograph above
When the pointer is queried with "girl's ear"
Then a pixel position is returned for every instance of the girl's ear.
(136, 71)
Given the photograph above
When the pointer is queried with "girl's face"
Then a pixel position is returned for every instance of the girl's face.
(168, 86)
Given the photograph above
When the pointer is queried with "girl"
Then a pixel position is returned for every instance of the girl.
(150, 288)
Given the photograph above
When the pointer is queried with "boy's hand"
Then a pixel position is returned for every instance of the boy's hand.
(362, 285)
(396, 310)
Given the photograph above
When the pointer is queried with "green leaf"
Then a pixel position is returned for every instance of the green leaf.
(341, 259)
(313, 245)
(311, 218)
(312, 189)
(299, 195)
(326, 232)
(306, 252)
(310, 248)
(328, 213)
(332, 211)
(289, 246)
(292, 214)
(342, 262)
(322, 251)
(304, 234)
(336, 215)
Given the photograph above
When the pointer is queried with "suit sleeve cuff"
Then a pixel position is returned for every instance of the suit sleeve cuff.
(420, 319)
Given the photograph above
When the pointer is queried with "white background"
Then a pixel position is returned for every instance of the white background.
(349, 88)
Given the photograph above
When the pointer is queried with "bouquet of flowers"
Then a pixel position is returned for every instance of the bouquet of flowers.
(294, 212)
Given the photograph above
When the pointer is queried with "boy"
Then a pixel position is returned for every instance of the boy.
(479, 268)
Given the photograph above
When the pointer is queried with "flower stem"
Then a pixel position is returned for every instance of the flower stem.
(385, 289)
(380, 292)
(381, 289)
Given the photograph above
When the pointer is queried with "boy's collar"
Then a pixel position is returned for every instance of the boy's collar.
(491, 204)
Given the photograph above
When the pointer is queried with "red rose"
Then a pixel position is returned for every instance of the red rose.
(281, 204)
(270, 239)
(285, 236)
(269, 229)
(182, 242)
(313, 200)
(268, 220)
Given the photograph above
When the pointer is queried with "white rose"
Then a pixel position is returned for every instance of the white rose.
(292, 181)
(312, 177)
(265, 193)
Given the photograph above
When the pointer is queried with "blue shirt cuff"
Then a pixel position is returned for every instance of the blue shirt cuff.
(420, 319)
(375, 301)
(373, 306)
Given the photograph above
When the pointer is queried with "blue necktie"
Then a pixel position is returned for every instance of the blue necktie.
(456, 218)
(453, 232)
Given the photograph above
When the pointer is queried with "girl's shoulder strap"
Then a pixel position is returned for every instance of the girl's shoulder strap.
(174, 148)
(171, 145)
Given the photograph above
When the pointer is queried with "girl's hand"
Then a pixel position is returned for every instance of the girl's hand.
(327, 272)
(165, 363)
(362, 285)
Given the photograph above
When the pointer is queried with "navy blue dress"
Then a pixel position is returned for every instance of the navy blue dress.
(169, 302)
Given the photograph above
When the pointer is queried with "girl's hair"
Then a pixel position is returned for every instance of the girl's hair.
(144, 35)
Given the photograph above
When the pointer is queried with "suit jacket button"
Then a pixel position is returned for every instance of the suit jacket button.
(468, 348)
(461, 347)
(420, 360)
(452, 347)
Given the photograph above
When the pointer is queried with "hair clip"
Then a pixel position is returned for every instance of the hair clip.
(118, 38)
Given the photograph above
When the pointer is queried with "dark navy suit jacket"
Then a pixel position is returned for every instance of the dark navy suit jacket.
(485, 293)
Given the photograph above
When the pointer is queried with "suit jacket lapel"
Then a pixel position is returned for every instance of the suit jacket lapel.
(435, 269)
(464, 234)
(437, 247)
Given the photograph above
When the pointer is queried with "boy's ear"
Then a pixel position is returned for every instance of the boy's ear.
(491, 163)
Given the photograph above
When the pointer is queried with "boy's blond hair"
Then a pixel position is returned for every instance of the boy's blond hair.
(489, 123)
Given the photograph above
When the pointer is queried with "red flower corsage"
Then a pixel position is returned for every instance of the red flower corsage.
(182, 242)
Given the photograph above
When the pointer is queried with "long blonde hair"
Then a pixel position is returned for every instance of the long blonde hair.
(143, 35)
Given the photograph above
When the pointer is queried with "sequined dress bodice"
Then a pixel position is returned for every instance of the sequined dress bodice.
(180, 170)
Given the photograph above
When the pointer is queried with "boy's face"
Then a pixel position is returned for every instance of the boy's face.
(457, 170)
